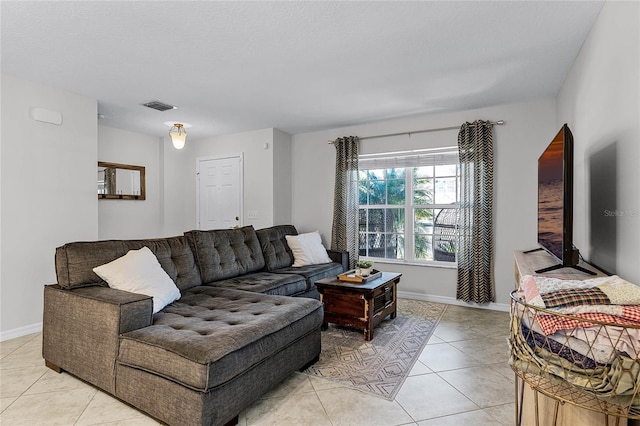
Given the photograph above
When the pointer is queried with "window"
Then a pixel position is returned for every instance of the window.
(409, 205)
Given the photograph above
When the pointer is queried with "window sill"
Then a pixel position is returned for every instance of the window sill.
(432, 264)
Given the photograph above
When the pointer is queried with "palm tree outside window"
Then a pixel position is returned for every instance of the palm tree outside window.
(405, 205)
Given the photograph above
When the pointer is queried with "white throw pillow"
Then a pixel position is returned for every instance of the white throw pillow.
(307, 249)
(139, 271)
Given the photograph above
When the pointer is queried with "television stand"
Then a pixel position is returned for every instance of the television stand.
(538, 261)
(560, 266)
(532, 250)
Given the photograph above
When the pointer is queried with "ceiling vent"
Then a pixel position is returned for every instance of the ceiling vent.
(159, 106)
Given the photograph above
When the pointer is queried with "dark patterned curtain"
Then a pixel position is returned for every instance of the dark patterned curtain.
(110, 180)
(475, 232)
(344, 233)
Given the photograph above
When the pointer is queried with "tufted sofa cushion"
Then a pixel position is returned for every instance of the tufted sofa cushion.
(75, 261)
(279, 258)
(277, 253)
(313, 273)
(267, 283)
(212, 335)
(226, 253)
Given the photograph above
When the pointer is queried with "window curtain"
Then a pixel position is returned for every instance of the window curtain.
(110, 181)
(344, 233)
(475, 234)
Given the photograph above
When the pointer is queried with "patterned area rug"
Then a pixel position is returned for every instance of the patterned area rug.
(380, 366)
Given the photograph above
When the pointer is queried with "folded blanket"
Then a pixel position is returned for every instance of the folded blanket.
(602, 339)
(564, 350)
(598, 343)
(630, 316)
(546, 292)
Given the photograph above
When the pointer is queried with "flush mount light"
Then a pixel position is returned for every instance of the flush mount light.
(177, 133)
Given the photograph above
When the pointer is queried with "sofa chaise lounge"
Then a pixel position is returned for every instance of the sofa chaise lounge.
(234, 333)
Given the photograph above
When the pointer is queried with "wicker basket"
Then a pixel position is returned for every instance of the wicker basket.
(593, 365)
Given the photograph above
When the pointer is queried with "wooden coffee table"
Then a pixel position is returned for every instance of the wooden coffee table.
(359, 305)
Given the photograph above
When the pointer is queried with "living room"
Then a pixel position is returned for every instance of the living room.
(289, 176)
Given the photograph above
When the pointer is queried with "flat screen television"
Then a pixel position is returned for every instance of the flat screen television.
(555, 202)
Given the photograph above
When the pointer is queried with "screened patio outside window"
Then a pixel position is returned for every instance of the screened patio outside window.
(408, 206)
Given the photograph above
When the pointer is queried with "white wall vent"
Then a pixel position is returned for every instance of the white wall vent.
(159, 106)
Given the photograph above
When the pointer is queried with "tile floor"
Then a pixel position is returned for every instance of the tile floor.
(461, 377)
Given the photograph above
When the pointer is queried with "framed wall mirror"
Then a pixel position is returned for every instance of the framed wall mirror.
(120, 181)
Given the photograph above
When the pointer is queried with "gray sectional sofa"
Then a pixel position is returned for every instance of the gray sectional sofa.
(234, 334)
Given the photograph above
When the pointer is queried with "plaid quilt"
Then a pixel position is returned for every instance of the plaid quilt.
(547, 292)
(549, 324)
(606, 299)
(575, 297)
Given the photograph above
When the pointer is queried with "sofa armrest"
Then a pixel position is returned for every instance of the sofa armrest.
(81, 329)
(341, 257)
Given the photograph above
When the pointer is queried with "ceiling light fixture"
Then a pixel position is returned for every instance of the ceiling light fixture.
(178, 135)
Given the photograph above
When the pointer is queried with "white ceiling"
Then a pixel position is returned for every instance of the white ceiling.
(296, 66)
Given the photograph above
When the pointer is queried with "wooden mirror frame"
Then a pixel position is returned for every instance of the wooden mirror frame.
(140, 169)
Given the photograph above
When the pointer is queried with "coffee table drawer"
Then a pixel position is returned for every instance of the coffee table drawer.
(336, 302)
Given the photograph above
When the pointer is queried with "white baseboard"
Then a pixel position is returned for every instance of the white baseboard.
(451, 301)
(20, 331)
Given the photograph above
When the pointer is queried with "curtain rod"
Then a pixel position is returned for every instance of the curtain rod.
(439, 129)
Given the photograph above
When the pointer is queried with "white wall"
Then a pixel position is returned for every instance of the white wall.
(601, 103)
(517, 145)
(131, 218)
(177, 170)
(258, 174)
(48, 193)
(281, 177)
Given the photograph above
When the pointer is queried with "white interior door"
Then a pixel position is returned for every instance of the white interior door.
(219, 192)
